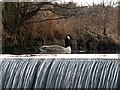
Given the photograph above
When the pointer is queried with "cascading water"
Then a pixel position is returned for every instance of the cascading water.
(59, 73)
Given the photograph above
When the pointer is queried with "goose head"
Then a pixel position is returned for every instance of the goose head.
(68, 41)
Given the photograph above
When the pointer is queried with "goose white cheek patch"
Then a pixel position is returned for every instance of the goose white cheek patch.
(68, 37)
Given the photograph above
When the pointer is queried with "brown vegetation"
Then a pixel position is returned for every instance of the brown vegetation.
(94, 29)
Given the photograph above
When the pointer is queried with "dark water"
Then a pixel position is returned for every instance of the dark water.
(59, 73)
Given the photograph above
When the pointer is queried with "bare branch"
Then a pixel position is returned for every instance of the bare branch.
(46, 20)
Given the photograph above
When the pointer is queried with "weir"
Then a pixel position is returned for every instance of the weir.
(59, 73)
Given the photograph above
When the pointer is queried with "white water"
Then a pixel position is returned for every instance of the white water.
(59, 73)
(49, 56)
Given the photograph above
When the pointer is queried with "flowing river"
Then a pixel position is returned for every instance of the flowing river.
(59, 73)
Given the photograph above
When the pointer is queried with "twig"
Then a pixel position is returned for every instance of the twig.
(45, 20)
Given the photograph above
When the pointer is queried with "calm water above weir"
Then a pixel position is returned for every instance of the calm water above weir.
(59, 73)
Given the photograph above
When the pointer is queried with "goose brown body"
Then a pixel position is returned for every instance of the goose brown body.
(56, 49)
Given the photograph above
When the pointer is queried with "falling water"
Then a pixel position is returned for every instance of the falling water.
(59, 73)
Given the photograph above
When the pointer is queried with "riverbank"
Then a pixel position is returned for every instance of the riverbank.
(84, 56)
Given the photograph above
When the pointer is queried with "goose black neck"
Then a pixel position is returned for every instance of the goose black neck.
(67, 42)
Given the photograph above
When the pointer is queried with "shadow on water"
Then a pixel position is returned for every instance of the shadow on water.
(59, 73)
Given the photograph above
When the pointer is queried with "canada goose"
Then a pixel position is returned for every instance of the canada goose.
(56, 49)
